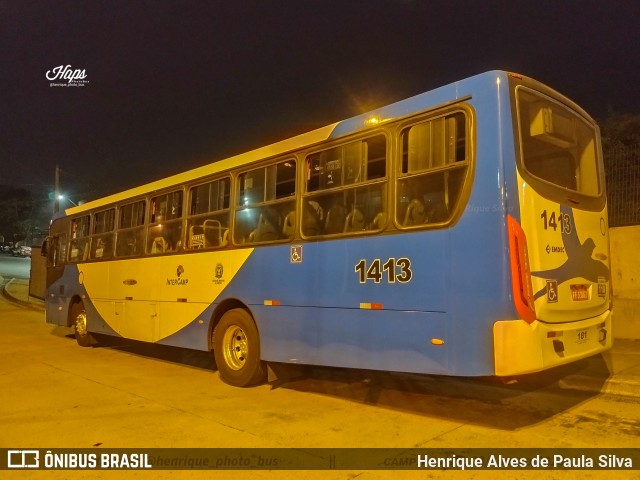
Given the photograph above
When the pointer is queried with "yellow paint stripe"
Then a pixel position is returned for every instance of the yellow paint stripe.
(168, 294)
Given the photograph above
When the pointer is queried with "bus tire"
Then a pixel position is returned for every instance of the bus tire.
(236, 348)
(79, 319)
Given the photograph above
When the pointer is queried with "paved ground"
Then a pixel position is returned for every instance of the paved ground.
(56, 394)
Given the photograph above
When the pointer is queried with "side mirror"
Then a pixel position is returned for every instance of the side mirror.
(44, 249)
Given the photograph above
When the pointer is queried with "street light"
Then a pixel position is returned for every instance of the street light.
(62, 197)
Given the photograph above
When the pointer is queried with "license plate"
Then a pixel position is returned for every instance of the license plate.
(581, 336)
(579, 293)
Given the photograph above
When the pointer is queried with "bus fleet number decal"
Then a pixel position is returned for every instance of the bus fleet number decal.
(551, 221)
(393, 269)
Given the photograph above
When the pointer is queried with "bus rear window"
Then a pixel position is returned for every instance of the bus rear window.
(558, 146)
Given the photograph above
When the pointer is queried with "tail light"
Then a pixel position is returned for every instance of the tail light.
(520, 271)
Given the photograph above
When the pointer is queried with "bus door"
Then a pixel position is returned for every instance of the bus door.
(56, 291)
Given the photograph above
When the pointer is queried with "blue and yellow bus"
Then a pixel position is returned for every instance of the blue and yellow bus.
(462, 231)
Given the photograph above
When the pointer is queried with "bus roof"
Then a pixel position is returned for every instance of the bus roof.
(433, 98)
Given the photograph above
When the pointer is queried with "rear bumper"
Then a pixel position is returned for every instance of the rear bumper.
(521, 348)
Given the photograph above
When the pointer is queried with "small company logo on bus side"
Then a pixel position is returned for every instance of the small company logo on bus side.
(179, 280)
(219, 272)
(555, 249)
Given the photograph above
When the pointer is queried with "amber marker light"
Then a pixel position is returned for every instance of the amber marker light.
(371, 306)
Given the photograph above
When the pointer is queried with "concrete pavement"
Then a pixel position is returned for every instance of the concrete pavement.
(615, 372)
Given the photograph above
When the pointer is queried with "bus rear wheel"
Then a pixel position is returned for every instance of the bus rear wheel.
(79, 318)
(236, 348)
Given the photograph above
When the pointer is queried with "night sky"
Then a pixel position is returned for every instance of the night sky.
(172, 85)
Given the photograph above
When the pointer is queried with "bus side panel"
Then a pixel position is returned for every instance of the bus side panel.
(327, 275)
(323, 302)
(96, 323)
(194, 334)
(368, 339)
(480, 288)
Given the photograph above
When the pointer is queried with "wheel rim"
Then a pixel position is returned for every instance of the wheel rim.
(81, 324)
(235, 347)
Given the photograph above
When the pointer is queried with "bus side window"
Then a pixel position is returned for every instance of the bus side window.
(346, 189)
(79, 245)
(130, 234)
(57, 250)
(266, 204)
(208, 221)
(432, 172)
(164, 233)
(103, 233)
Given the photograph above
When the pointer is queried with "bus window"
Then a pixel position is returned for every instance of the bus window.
(56, 250)
(130, 235)
(266, 204)
(208, 223)
(346, 192)
(103, 233)
(558, 147)
(433, 170)
(78, 247)
(165, 223)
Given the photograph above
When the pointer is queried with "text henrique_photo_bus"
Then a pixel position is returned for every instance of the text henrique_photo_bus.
(462, 231)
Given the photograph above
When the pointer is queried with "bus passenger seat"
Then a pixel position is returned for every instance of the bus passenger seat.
(354, 221)
(265, 230)
(312, 219)
(415, 214)
(159, 245)
(379, 221)
(336, 217)
(289, 225)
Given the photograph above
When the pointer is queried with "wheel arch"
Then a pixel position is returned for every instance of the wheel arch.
(222, 308)
(72, 301)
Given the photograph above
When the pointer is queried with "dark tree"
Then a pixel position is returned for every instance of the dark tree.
(620, 129)
(21, 213)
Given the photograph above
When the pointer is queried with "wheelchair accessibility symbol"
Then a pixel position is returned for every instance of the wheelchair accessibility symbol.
(552, 291)
(296, 254)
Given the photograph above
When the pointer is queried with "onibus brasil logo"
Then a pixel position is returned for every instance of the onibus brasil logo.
(74, 77)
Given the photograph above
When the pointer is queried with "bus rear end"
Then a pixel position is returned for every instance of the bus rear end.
(558, 237)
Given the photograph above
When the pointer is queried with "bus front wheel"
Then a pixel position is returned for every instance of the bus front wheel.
(79, 318)
(236, 347)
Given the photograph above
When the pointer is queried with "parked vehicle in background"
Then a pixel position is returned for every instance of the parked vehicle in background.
(22, 251)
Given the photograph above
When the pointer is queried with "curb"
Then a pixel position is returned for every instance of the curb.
(6, 294)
